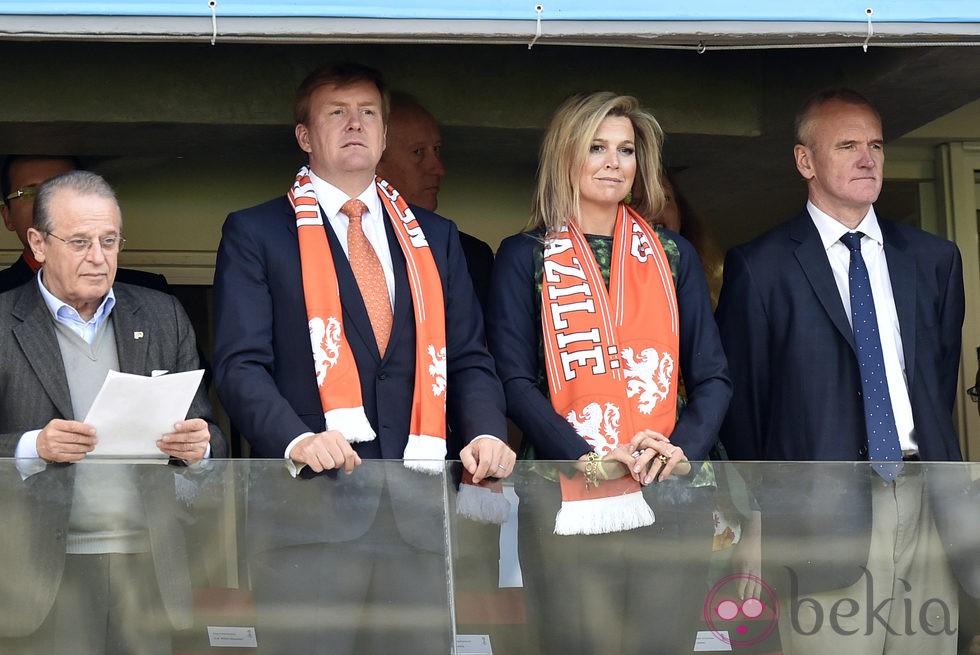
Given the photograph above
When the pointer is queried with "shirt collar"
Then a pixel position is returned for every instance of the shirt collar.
(831, 230)
(63, 312)
(331, 198)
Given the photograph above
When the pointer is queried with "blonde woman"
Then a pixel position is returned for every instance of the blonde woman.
(594, 315)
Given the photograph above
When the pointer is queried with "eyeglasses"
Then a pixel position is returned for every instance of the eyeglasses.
(972, 393)
(27, 193)
(79, 246)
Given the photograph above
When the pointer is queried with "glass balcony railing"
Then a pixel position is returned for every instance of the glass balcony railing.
(239, 556)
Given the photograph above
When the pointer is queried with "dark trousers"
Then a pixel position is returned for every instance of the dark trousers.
(635, 592)
(376, 594)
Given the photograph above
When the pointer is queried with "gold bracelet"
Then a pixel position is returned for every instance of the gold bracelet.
(593, 468)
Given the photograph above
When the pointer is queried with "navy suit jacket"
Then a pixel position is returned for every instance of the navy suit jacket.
(479, 263)
(264, 364)
(797, 387)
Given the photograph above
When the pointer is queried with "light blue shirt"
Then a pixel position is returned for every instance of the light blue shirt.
(68, 316)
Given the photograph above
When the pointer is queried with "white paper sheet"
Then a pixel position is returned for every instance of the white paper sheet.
(473, 645)
(231, 637)
(131, 412)
(712, 642)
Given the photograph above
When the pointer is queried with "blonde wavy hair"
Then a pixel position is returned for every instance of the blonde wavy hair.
(565, 148)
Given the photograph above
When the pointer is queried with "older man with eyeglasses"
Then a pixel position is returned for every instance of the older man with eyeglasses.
(106, 570)
(20, 178)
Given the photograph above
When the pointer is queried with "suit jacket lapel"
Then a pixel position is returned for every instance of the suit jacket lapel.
(36, 336)
(902, 274)
(813, 259)
(353, 304)
(132, 334)
(403, 316)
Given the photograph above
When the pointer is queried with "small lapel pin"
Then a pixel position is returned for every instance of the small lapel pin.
(137, 335)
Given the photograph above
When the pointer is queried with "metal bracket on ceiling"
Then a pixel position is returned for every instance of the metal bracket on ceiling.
(871, 29)
(537, 30)
(214, 20)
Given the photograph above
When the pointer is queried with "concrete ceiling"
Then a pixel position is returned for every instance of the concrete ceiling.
(728, 114)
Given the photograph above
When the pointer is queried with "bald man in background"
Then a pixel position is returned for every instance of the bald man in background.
(412, 162)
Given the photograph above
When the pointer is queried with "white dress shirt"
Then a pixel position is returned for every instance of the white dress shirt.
(873, 251)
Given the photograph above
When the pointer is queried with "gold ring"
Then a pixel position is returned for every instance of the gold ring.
(501, 467)
(663, 458)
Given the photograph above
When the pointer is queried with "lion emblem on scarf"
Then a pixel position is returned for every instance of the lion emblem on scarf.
(325, 337)
(437, 369)
(649, 377)
(597, 425)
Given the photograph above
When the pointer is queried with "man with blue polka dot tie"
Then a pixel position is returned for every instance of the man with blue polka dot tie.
(883, 442)
(843, 336)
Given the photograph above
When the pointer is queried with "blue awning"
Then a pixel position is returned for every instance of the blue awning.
(634, 23)
(905, 11)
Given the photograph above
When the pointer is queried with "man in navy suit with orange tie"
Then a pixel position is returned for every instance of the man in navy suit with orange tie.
(843, 337)
(346, 328)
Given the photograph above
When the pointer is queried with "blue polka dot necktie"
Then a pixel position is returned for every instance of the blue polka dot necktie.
(883, 445)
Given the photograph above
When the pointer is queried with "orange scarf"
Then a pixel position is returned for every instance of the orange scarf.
(611, 360)
(336, 371)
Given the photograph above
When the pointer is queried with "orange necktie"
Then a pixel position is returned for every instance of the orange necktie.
(370, 276)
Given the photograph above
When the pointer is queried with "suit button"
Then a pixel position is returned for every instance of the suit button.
(863, 452)
(860, 395)
(383, 375)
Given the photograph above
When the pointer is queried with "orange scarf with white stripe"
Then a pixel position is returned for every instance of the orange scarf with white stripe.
(336, 371)
(611, 360)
